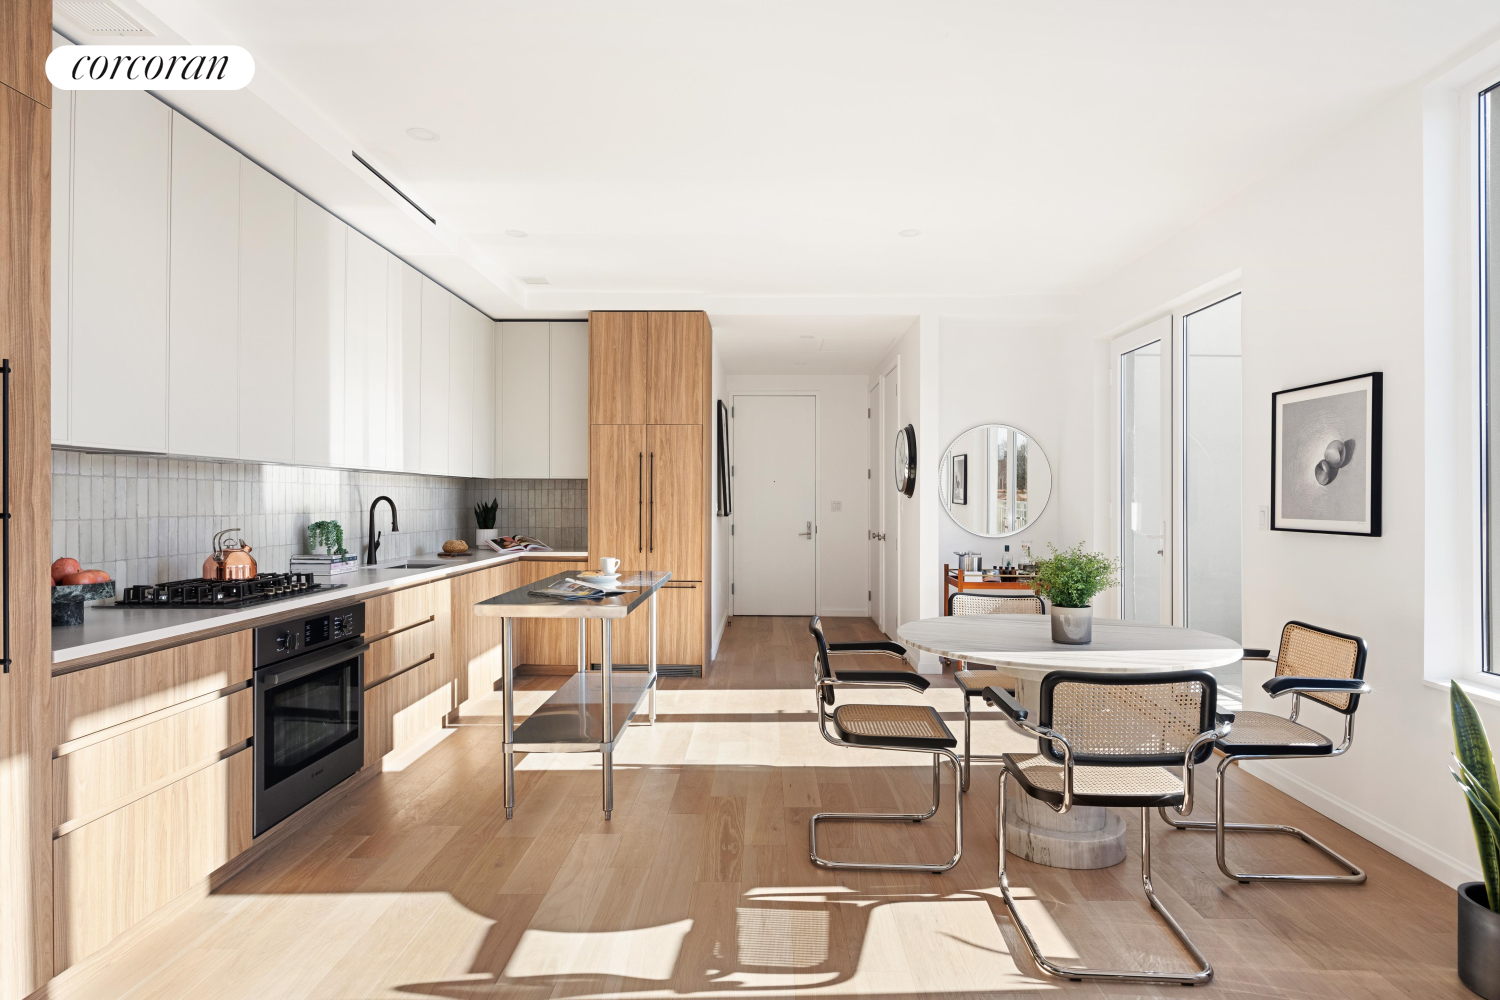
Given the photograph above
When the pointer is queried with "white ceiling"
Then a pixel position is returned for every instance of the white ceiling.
(662, 149)
(816, 344)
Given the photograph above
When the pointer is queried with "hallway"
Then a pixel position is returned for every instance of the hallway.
(415, 885)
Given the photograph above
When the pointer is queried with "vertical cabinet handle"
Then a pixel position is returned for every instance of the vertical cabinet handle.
(640, 468)
(5, 506)
(653, 501)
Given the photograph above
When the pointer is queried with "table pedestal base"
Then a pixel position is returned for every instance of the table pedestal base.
(1082, 837)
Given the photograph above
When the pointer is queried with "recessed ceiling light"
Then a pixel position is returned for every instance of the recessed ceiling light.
(910, 232)
(422, 134)
(534, 279)
(519, 234)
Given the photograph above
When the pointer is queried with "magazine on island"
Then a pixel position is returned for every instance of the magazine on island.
(571, 590)
(518, 543)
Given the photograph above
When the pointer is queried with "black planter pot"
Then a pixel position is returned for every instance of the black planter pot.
(1478, 942)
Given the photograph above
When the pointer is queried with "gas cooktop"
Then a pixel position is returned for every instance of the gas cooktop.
(221, 593)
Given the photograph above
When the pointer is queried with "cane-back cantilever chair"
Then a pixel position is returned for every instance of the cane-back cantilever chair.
(1108, 740)
(1312, 662)
(913, 728)
(973, 682)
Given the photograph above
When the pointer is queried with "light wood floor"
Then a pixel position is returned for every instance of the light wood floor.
(700, 886)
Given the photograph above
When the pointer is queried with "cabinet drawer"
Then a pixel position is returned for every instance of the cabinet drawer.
(102, 775)
(99, 697)
(405, 708)
(402, 651)
(404, 608)
(680, 629)
(111, 873)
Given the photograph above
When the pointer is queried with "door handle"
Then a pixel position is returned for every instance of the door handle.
(5, 504)
(640, 468)
(807, 533)
(652, 522)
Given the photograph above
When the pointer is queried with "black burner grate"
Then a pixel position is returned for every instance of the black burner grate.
(221, 593)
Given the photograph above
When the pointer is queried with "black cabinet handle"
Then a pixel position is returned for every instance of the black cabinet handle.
(640, 468)
(5, 505)
(653, 501)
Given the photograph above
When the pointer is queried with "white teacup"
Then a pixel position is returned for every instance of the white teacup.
(608, 566)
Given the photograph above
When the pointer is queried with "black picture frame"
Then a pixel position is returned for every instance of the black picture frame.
(1294, 442)
(960, 491)
(725, 502)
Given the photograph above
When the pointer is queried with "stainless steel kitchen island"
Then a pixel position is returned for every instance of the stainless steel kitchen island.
(589, 713)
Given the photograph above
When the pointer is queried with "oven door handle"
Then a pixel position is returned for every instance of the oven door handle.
(355, 647)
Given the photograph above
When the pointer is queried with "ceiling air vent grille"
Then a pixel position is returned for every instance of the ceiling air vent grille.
(99, 18)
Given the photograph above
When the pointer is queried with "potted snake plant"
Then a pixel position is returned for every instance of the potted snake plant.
(1069, 580)
(484, 517)
(1478, 918)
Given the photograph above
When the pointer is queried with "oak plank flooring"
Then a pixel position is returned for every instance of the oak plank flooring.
(700, 885)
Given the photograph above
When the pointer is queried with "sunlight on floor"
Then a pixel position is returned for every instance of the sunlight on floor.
(642, 953)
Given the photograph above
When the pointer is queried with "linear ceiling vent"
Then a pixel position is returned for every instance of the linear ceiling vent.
(535, 279)
(99, 18)
(387, 182)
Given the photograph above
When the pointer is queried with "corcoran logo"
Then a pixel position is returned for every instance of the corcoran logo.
(150, 67)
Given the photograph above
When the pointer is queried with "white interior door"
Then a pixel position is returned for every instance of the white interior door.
(884, 477)
(775, 509)
(874, 516)
(1143, 384)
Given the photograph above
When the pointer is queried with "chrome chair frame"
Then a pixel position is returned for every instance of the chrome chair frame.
(1276, 687)
(824, 688)
(1204, 974)
(970, 695)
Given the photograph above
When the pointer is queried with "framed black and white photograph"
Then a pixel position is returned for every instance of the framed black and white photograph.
(960, 492)
(1326, 457)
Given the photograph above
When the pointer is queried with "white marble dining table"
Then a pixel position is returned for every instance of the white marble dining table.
(1022, 647)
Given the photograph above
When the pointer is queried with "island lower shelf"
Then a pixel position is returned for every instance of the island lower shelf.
(572, 720)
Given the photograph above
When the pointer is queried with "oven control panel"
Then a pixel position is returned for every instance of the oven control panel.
(284, 640)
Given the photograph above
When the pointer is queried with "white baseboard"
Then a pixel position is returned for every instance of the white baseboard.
(1439, 864)
(719, 628)
(860, 612)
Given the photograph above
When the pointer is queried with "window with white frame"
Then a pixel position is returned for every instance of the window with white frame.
(1489, 361)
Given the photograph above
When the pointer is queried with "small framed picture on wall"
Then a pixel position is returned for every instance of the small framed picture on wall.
(960, 491)
(1326, 457)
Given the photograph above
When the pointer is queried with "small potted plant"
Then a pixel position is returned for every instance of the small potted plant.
(1478, 920)
(326, 535)
(484, 516)
(1069, 580)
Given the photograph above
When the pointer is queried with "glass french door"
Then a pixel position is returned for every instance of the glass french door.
(1180, 452)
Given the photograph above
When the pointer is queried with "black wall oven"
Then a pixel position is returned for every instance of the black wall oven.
(309, 703)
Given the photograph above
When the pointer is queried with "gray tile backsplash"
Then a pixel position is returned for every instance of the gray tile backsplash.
(149, 520)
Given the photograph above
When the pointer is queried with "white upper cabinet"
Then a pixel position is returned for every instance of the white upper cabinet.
(462, 334)
(525, 415)
(322, 243)
(366, 365)
(122, 180)
(434, 423)
(203, 292)
(62, 231)
(404, 319)
(268, 317)
(568, 402)
(484, 397)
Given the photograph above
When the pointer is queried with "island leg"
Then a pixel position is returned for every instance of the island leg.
(508, 670)
(583, 645)
(651, 657)
(607, 698)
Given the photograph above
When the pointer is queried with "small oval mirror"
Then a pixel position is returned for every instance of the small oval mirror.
(994, 480)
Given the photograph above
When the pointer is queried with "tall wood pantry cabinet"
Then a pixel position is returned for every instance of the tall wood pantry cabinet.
(650, 405)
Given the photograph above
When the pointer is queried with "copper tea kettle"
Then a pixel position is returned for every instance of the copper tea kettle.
(230, 561)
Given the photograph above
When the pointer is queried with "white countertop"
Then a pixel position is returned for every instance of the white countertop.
(107, 630)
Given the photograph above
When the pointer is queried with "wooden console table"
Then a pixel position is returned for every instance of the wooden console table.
(953, 582)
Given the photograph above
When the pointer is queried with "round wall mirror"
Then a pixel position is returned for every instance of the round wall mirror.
(995, 480)
(906, 460)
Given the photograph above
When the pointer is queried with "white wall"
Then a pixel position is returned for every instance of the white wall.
(719, 540)
(1330, 259)
(994, 372)
(843, 451)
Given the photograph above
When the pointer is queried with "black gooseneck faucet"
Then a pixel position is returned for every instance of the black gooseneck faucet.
(374, 536)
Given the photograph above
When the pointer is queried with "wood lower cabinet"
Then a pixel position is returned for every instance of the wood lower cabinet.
(401, 651)
(405, 708)
(679, 636)
(111, 873)
(411, 678)
(476, 641)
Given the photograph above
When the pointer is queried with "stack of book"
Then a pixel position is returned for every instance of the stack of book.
(325, 567)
